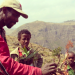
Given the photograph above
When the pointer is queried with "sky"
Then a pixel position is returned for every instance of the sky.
(56, 11)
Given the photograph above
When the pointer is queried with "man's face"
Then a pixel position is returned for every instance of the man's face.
(11, 17)
(70, 58)
(24, 40)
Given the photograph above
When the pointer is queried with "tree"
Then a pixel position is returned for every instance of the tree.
(57, 52)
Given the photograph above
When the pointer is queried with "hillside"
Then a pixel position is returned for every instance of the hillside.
(50, 35)
(45, 53)
(9, 31)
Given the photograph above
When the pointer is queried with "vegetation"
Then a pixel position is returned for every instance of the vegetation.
(57, 52)
(45, 53)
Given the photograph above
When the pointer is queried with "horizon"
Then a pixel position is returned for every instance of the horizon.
(40, 21)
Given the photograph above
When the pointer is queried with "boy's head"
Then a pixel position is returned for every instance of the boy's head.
(70, 58)
(24, 37)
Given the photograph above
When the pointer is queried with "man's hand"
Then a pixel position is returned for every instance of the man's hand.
(49, 68)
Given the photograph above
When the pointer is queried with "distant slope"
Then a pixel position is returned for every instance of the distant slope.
(50, 35)
(45, 53)
(9, 31)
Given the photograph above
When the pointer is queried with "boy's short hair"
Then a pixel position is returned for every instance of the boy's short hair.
(23, 31)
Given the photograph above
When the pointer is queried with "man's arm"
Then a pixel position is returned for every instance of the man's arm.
(13, 67)
(39, 60)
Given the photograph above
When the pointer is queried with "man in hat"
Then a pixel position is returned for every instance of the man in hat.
(10, 11)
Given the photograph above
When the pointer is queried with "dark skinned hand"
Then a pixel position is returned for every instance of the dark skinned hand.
(49, 69)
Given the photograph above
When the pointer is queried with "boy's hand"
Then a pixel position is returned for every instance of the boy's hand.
(49, 68)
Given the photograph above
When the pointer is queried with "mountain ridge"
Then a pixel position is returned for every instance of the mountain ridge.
(50, 35)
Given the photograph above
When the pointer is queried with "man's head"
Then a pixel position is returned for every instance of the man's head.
(70, 58)
(11, 11)
(10, 16)
(24, 37)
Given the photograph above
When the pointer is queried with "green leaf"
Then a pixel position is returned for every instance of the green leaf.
(31, 55)
(28, 55)
(25, 51)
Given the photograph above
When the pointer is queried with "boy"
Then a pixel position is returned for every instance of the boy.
(24, 37)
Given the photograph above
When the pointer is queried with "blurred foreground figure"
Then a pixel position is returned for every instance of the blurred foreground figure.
(69, 64)
(70, 68)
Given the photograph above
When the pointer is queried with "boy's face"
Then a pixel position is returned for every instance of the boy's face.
(24, 40)
(70, 58)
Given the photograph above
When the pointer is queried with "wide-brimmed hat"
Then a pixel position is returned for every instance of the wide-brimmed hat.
(14, 4)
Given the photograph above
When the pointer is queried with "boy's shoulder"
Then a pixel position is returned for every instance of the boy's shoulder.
(15, 51)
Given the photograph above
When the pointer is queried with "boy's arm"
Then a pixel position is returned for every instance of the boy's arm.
(39, 60)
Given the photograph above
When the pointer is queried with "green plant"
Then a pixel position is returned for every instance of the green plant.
(57, 52)
(27, 55)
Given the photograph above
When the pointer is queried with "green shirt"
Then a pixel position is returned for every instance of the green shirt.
(70, 70)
